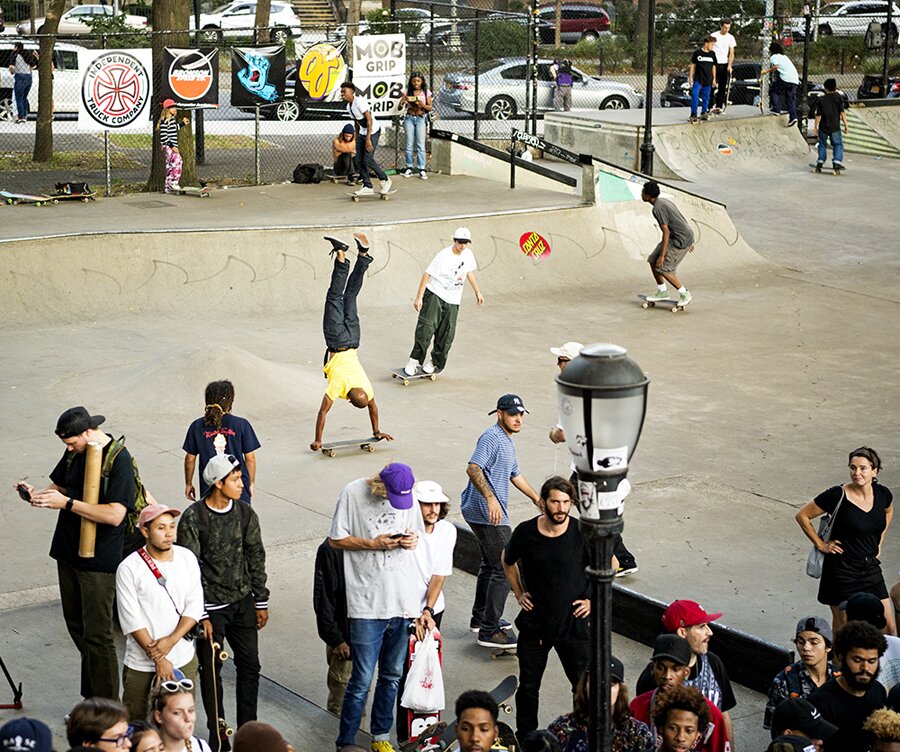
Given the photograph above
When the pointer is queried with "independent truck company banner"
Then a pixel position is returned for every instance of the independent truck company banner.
(116, 90)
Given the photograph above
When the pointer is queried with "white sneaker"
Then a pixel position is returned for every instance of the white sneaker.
(423, 174)
(428, 366)
(386, 186)
(685, 297)
(175, 187)
(411, 367)
(366, 190)
(407, 173)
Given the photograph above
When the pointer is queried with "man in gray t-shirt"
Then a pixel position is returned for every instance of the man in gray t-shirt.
(677, 241)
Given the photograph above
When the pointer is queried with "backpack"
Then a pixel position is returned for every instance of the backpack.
(140, 493)
(308, 173)
(68, 189)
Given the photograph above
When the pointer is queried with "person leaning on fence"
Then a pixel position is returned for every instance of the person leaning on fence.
(343, 150)
(168, 126)
(561, 72)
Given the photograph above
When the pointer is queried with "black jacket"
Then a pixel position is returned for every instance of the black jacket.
(330, 596)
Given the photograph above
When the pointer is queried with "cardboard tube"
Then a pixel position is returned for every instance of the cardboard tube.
(92, 465)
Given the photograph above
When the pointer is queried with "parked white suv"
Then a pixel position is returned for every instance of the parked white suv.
(237, 18)
(66, 79)
(845, 19)
(72, 22)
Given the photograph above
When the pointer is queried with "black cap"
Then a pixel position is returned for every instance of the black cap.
(616, 669)
(509, 403)
(76, 420)
(674, 648)
(865, 607)
(798, 714)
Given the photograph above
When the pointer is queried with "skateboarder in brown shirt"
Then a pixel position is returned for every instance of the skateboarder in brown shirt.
(677, 241)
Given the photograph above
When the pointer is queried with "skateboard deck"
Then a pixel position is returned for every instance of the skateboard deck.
(376, 194)
(190, 190)
(85, 197)
(340, 179)
(506, 738)
(826, 168)
(405, 378)
(330, 448)
(25, 198)
(219, 656)
(650, 302)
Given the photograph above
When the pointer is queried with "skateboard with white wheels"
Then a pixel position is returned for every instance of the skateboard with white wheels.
(190, 190)
(650, 302)
(368, 445)
(14, 199)
(837, 171)
(405, 378)
(83, 197)
(375, 194)
(219, 656)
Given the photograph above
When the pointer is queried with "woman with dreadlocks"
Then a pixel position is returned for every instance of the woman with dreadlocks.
(219, 432)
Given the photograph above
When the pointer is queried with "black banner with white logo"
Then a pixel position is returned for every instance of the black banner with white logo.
(257, 75)
(191, 77)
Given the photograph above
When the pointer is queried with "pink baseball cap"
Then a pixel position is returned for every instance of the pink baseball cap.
(152, 511)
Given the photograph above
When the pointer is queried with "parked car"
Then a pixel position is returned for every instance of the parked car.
(848, 19)
(577, 21)
(501, 90)
(744, 86)
(66, 79)
(72, 22)
(2, 22)
(871, 86)
(290, 109)
(238, 18)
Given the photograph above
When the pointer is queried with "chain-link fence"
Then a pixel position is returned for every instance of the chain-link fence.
(489, 71)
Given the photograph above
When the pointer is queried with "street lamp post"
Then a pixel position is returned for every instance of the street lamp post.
(804, 79)
(602, 396)
(647, 147)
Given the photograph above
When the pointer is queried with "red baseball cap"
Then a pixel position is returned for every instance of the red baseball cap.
(686, 614)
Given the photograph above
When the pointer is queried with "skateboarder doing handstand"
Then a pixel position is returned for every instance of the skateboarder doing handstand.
(346, 377)
(677, 241)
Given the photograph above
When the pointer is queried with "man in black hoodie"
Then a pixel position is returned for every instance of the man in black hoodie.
(330, 605)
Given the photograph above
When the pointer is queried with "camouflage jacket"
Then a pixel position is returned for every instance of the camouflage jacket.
(230, 550)
(792, 681)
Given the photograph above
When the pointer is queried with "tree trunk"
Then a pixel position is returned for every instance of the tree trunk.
(168, 15)
(354, 13)
(640, 34)
(557, 39)
(262, 21)
(43, 133)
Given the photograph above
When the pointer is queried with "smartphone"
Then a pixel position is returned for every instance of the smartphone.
(396, 536)
(24, 493)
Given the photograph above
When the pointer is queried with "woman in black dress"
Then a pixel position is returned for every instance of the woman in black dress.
(852, 555)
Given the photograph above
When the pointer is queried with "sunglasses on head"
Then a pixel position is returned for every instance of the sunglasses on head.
(174, 685)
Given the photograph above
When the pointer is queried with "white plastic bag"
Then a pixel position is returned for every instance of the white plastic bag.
(425, 682)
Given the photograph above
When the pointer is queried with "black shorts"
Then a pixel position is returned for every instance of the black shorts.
(843, 577)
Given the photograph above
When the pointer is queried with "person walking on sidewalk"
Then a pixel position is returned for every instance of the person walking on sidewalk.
(223, 533)
(545, 563)
(168, 126)
(702, 78)
(783, 92)
(346, 377)
(437, 301)
(415, 125)
(724, 51)
(21, 68)
(160, 600)
(677, 241)
(829, 113)
(485, 499)
(87, 586)
(368, 131)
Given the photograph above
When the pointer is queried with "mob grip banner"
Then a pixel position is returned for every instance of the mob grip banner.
(379, 71)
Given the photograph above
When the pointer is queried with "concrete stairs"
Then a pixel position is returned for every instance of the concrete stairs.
(314, 13)
(863, 139)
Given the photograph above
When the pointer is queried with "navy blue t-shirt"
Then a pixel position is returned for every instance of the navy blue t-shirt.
(234, 436)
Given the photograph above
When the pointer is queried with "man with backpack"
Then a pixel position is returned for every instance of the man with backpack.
(87, 585)
(223, 533)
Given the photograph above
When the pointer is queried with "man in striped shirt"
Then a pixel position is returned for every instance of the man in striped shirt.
(492, 467)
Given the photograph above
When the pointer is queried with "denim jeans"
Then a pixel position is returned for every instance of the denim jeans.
(365, 160)
(415, 127)
(784, 96)
(837, 144)
(699, 96)
(491, 587)
(340, 324)
(533, 652)
(381, 641)
(21, 87)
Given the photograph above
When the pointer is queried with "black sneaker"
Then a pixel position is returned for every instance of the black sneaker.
(628, 568)
(336, 244)
(791, 123)
(818, 167)
(503, 639)
(475, 626)
(704, 116)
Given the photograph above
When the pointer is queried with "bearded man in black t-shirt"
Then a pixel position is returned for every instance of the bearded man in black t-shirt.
(87, 586)
(545, 563)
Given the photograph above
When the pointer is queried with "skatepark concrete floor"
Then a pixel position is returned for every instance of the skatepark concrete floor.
(758, 391)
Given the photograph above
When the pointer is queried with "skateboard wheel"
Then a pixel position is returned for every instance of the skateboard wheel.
(223, 655)
(331, 452)
(645, 305)
(356, 199)
(432, 377)
(405, 382)
(370, 448)
(56, 201)
(676, 309)
(493, 656)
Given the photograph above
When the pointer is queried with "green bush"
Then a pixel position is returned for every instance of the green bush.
(118, 32)
(405, 22)
(497, 39)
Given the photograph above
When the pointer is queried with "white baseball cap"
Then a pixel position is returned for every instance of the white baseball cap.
(462, 233)
(570, 350)
(429, 492)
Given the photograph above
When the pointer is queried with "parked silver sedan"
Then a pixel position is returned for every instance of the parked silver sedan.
(501, 90)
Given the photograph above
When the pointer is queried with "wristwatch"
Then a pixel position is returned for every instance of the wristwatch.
(429, 609)
(69, 504)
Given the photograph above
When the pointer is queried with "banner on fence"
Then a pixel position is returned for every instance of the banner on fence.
(320, 71)
(116, 90)
(379, 71)
(191, 77)
(257, 75)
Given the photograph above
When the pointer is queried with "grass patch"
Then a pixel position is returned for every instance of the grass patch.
(213, 141)
(66, 160)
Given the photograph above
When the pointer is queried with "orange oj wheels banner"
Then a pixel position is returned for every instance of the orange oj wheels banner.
(191, 77)
(534, 245)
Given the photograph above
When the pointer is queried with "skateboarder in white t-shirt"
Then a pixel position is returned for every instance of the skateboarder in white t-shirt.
(368, 131)
(437, 301)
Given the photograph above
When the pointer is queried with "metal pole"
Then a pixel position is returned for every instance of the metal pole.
(477, 59)
(256, 145)
(767, 30)
(512, 161)
(534, 65)
(804, 96)
(888, 41)
(106, 159)
(431, 51)
(647, 147)
(199, 131)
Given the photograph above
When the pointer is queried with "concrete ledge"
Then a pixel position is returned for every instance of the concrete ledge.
(751, 661)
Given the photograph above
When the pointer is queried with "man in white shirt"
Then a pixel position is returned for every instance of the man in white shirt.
(160, 600)
(783, 92)
(368, 131)
(437, 301)
(724, 50)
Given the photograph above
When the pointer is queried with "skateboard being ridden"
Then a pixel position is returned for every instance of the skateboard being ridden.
(677, 241)
(346, 377)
